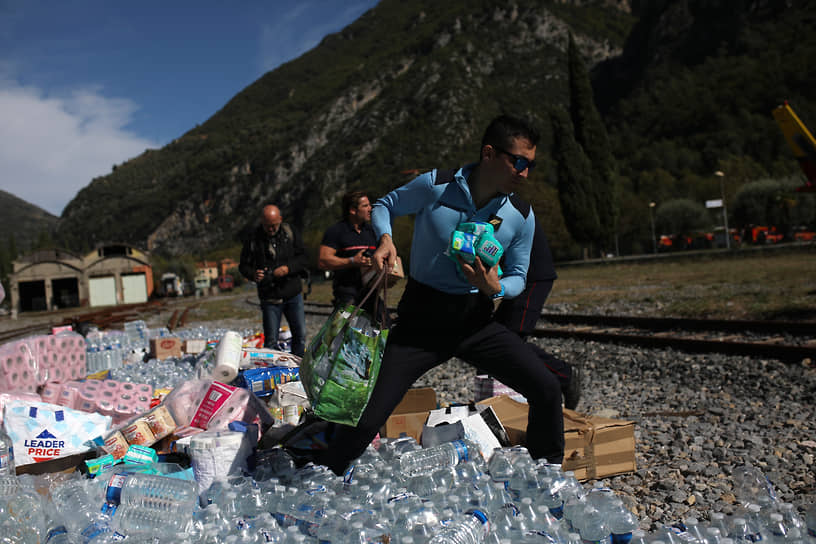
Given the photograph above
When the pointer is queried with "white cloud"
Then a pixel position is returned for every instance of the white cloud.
(302, 27)
(52, 146)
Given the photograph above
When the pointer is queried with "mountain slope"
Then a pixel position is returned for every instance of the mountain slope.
(408, 85)
(22, 221)
(686, 88)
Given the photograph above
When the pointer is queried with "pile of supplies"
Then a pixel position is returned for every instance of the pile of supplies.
(202, 446)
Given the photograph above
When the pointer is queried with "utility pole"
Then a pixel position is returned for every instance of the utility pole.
(720, 175)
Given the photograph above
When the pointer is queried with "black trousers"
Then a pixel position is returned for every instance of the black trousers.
(521, 314)
(431, 328)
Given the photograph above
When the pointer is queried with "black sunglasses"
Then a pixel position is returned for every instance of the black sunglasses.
(519, 163)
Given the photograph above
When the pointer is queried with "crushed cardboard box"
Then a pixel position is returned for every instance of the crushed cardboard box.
(411, 413)
(595, 447)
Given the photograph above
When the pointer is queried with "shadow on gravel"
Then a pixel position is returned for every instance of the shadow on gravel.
(799, 314)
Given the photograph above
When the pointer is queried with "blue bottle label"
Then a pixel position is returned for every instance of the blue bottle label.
(113, 491)
(461, 450)
(623, 538)
(55, 532)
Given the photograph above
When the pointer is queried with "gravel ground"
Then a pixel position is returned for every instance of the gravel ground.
(697, 417)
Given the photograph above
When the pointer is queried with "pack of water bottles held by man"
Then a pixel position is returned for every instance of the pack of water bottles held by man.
(396, 492)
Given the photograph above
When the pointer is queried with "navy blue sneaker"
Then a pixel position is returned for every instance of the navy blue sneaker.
(572, 393)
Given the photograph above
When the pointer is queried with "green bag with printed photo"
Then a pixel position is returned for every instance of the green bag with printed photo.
(342, 362)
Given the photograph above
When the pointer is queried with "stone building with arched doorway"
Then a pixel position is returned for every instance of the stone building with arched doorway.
(51, 279)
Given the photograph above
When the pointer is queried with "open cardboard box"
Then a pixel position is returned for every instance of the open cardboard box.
(595, 447)
(411, 413)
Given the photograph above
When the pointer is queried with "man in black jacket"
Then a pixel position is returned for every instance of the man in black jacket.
(273, 257)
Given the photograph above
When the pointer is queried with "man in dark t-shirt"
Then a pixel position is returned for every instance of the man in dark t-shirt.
(347, 247)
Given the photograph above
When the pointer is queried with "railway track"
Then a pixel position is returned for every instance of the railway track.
(105, 318)
(788, 341)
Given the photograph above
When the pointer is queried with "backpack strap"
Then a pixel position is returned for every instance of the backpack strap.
(445, 176)
(520, 204)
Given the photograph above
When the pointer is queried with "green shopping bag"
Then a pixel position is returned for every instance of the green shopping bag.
(342, 362)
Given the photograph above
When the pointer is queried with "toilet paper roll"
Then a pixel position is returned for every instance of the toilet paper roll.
(86, 402)
(68, 397)
(51, 393)
(144, 389)
(91, 386)
(110, 385)
(228, 357)
(127, 388)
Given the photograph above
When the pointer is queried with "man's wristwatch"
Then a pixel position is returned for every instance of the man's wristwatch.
(497, 298)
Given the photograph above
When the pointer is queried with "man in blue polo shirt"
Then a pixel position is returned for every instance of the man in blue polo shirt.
(447, 310)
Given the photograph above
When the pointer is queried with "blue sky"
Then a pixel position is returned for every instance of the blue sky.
(88, 84)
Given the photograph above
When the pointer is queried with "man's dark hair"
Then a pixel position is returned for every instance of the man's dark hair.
(504, 129)
(351, 200)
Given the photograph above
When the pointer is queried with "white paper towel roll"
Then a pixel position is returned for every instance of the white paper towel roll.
(228, 357)
(215, 455)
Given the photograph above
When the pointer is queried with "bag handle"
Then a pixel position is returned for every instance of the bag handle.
(379, 281)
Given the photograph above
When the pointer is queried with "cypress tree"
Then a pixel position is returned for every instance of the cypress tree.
(574, 172)
(591, 137)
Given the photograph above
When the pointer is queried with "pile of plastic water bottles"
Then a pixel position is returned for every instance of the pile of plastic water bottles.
(119, 351)
(398, 494)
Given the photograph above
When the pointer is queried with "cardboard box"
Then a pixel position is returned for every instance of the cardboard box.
(595, 447)
(410, 414)
(194, 346)
(163, 347)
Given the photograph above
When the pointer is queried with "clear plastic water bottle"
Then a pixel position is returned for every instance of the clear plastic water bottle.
(9, 484)
(739, 531)
(6, 453)
(151, 491)
(810, 520)
(27, 509)
(79, 503)
(470, 528)
(756, 525)
(137, 519)
(752, 486)
(791, 518)
(595, 531)
(427, 460)
(694, 530)
(776, 527)
(639, 537)
(61, 535)
(621, 525)
(713, 535)
(718, 521)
